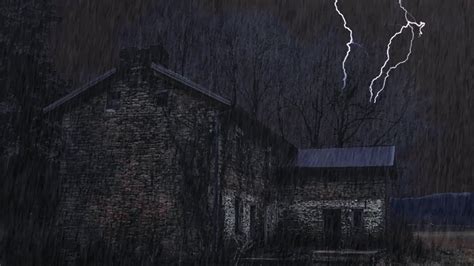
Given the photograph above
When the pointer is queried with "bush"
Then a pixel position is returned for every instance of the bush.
(402, 245)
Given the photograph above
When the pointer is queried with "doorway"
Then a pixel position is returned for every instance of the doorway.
(332, 228)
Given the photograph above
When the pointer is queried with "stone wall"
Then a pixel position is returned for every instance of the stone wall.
(122, 170)
(248, 177)
(143, 173)
(303, 209)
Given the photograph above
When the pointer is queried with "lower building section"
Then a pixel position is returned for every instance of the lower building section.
(248, 218)
(335, 224)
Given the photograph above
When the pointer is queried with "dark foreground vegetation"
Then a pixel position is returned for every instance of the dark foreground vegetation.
(400, 247)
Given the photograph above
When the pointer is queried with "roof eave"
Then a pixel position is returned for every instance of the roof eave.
(75, 93)
(188, 83)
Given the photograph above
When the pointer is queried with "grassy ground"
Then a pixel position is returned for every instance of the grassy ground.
(449, 239)
(450, 246)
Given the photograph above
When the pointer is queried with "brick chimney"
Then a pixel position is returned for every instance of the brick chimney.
(136, 57)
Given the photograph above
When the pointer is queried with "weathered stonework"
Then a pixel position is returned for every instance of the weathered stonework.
(303, 211)
(150, 161)
(120, 169)
(145, 173)
(229, 212)
(248, 177)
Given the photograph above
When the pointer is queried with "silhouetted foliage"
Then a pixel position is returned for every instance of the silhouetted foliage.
(28, 184)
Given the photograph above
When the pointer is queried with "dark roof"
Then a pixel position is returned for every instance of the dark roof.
(346, 157)
(157, 68)
(79, 91)
(188, 83)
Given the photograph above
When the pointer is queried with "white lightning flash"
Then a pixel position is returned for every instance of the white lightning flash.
(348, 44)
(409, 24)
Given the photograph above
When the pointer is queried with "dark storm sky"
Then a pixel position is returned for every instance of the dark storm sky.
(87, 41)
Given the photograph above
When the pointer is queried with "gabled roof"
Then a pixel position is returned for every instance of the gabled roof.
(92, 86)
(155, 67)
(188, 83)
(382, 156)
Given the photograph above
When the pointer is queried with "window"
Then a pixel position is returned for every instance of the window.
(162, 98)
(253, 221)
(267, 160)
(238, 213)
(239, 153)
(357, 218)
(113, 100)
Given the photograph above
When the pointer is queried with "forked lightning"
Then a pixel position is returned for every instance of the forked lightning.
(409, 24)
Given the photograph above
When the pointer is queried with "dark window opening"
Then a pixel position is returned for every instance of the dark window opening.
(253, 221)
(238, 212)
(267, 161)
(113, 100)
(332, 227)
(357, 218)
(240, 156)
(162, 98)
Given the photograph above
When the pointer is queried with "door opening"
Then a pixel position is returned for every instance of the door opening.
(332, 228)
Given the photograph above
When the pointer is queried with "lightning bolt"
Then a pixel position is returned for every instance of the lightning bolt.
(348, 44)
(409, 24)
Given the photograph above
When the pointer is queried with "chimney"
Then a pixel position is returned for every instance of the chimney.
(135, 57)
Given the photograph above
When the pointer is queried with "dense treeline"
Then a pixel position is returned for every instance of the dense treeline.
(445, 211)
(28, 183)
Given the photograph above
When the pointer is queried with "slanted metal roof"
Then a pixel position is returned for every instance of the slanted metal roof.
(80, 90)
(188, 83)
(346, 157)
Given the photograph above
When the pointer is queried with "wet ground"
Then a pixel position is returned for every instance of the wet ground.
(448, 239)
(449, 247)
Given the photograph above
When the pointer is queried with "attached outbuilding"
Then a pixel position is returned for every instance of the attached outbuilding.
(338, 197)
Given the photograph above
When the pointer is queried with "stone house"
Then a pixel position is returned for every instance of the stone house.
(338, 196)
(156, 161)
